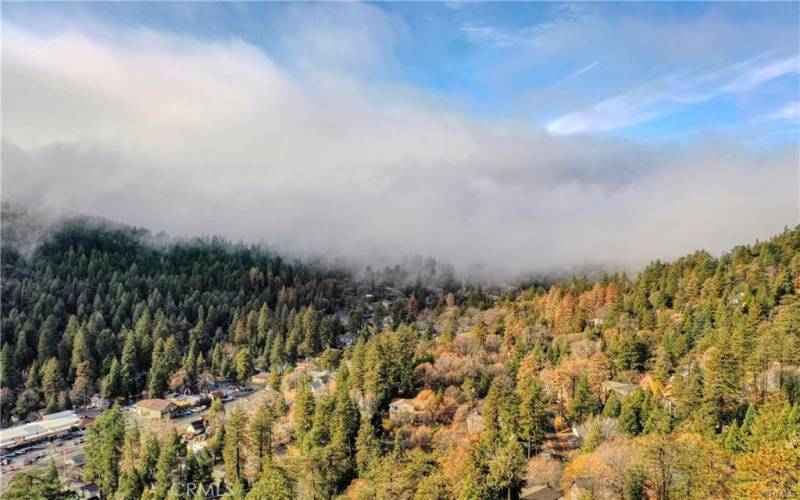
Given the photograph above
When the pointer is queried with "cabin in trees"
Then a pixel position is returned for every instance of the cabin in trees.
(260, 378)
(622, 389)
(196, 426)
(475, 422)
(155, 409)
(402, 410)
(99, 402)
(540, 492)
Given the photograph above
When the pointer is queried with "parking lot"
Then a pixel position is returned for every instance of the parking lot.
(63, 450)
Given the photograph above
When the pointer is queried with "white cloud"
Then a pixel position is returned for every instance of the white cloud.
(213, 137)
(788, 112)
(668, 94)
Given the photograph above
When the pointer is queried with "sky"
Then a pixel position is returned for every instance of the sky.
(501, 137)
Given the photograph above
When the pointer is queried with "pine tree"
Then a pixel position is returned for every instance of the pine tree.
(260, 434)
(584, 402)
(148, 458)
(52, 383)
(104, 440)
(129, 368)
(273, 483)
(506, 468)
(722, 384)
(532, 416)
(303, 410)
(168, 460)
(48, 340)
(367, 447)
(629, 416)
(113, 387)
(613, 406)
(233, 451)
(159, 371)
(244, 365)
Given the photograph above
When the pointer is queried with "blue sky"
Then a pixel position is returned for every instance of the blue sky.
(652, 71)
(504, 137)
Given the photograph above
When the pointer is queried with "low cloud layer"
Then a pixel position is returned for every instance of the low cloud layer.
(198, 137)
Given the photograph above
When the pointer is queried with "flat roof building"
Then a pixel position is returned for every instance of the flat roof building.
(49, 426)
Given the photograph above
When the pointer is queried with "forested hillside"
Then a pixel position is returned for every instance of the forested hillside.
(683, 381)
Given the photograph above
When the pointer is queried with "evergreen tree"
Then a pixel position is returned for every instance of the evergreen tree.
(104, 439)
(532, 414)
(129, 364)
(52, 383)
(260, 434)
(584, 402)
(233, 451)
(113, 386)
(303, 410)
(612, 406)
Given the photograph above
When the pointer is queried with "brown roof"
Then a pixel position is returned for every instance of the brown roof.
(154, 404)
(539, 492)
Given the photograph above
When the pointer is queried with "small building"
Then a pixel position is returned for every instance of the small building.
(320, 375)
(154, 408)
(540, 492)
(622, 389)
(261, 378)
(84, 491)
(185, 400)
(77, 460)
(196, 426)
(99, 402)
(402, 410)
(475, 423)
(318, 388)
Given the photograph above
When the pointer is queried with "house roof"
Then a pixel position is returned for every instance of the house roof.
(402, 402)
(619, 387)
(49, 425)
(539, 492)
(154, 404)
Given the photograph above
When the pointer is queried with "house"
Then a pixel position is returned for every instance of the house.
(540, 492)
(196, 426)
(77, 460)
(622, 389)
(402, 410)
(320, 375)
(85, 491)
(154, 408)
(99, 402)
(318, 388)
(475, 422)
(260, 378)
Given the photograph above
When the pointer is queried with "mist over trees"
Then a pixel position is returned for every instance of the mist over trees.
(682, 380)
